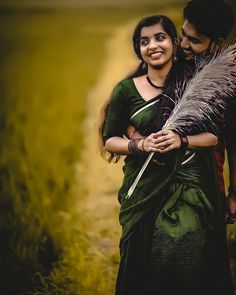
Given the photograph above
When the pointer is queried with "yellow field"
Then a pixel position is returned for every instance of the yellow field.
(59, 213)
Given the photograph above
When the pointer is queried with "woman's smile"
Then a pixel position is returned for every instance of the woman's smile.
(156, 55)
(156, 46)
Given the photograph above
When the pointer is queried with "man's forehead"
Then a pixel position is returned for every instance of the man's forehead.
(189, 30)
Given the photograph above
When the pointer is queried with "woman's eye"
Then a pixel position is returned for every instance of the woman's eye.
(160, 38)
(143, 42)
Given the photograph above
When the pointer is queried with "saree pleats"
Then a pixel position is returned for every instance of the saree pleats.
(172, 238)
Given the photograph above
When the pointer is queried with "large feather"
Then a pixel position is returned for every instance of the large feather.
(207, 93)
(203, 96)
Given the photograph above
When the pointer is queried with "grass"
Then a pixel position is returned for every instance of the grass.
(44, 81)
(49, 62)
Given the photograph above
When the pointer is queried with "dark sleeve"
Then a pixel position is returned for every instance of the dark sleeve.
(116, 120)
(230, 126)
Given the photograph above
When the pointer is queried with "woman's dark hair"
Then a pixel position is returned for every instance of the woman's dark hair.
(170, 29)
(167, 25)
(212, 18)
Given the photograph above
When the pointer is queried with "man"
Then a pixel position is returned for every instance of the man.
(206, 25)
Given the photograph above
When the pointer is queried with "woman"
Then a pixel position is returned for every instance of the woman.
(173, 235)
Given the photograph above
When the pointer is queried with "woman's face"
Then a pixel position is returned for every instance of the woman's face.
(156, 46)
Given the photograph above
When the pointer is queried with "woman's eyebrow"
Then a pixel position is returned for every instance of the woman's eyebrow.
(157, 34)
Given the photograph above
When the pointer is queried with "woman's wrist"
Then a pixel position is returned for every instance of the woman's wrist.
(136, 146)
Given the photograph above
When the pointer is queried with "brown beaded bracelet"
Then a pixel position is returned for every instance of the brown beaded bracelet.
(143, 144)
(133, 146)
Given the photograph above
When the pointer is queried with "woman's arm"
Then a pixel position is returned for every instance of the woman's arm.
(166, 140)
(201, 140)
(122, 146)
(117, 145)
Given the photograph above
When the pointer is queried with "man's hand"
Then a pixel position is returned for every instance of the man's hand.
(231, 207)
(231, 202)
(167, 140)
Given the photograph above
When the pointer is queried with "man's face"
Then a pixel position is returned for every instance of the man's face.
(194, 43)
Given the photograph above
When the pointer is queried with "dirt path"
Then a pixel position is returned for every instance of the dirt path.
(100, 179)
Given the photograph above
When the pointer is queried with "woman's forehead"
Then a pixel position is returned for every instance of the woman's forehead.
(152, 30)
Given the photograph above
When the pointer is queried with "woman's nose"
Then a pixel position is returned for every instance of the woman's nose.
(153, 43)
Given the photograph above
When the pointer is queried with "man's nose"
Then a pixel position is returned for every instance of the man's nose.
(184, 43)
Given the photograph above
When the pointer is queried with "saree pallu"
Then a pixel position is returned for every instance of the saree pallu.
(173, 238)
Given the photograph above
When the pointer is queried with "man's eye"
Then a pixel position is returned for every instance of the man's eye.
(195, 41)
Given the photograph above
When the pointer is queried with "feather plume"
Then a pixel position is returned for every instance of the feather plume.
(207, 93)
(203, 96)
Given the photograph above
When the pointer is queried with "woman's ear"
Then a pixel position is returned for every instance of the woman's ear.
(176, 47)
(177, 41)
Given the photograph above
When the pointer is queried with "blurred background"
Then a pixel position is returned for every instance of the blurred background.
(59, 230)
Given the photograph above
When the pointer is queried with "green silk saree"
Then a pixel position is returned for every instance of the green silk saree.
(173, 233)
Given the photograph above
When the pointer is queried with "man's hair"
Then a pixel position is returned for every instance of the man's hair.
(212, 18)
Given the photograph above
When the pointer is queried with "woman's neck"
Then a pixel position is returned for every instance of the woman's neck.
(159, 75)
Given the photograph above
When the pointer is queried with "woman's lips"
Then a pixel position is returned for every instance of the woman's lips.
(156, 55)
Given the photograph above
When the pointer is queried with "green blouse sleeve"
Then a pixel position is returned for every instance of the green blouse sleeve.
(116, 120)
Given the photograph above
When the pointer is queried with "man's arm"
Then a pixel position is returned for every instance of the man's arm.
(231, 196)
(230, 142)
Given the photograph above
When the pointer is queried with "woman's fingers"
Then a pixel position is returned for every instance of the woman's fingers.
(162, 141)
(149, 144)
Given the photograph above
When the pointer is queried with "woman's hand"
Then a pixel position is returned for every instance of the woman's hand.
(162, 141)
(149, 144)
(166, 140)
